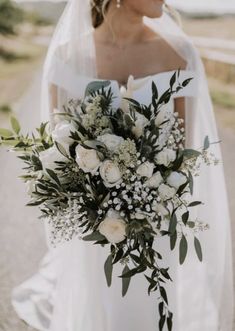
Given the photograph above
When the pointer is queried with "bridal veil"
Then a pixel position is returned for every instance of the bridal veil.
(204, 290)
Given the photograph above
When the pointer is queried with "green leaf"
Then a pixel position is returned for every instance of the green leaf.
(195, 203)
(163, 294)
(185, 217)
(15, 125)
(53, 175)
(108, 269)
(61, 149)
(186, 82)
(183, 249)
(160, 308)
(169, 322)
(125, 281)
(154, 90)
(173, 80)
(96, 86)
(206, 143)
(162, 322)
(191, 183)
(173, 224)
(5, 133)
(191, 153)
(198, 249)
(94, 236)
(173, 240)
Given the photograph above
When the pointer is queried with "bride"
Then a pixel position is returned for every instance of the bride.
(132, 43)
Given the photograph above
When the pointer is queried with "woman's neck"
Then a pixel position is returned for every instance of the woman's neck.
(121, 26)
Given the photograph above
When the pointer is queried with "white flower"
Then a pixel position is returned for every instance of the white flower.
(159, 208)
(155, 180)
(176, 179)
(165, 157)
(30, 186)
(110, 173)
(113, 227)
(166, 192)
(87, 159)
(61, 134)
(111, 141)
(140, 124)
(49, 156)
(145, 169)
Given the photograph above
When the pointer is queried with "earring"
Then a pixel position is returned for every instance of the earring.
(118, 3)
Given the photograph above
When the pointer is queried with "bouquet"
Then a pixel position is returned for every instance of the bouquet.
(117, 177)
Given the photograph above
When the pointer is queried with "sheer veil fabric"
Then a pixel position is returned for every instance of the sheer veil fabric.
(203, 292)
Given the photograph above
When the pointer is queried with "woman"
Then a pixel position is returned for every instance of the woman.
(132, 38)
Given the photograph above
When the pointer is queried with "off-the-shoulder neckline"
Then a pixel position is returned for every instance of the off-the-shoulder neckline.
(151, 76)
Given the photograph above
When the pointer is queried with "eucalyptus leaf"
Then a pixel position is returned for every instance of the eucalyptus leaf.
(163, 294)
(173, 239)
(108, 269)
(195, 203)
(125, 281)
(96, 86)
(173, 80)
(191, 153)
(162, 322)
(183, 249)
(185, 217)
(169, 322)
(198, 248)
(173, 224)
(61, 149)
(94, 236)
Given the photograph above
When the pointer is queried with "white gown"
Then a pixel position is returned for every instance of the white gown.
(69, 293)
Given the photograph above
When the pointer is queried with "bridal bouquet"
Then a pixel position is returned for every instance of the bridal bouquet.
(117, 177)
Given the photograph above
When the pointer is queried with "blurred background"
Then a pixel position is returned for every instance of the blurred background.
(25, 31)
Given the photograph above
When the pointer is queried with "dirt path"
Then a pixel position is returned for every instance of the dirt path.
(22, 241)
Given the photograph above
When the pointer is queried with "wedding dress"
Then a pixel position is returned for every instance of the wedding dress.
(70, 293)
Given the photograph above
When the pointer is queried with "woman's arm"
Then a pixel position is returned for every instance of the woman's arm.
(180, 109)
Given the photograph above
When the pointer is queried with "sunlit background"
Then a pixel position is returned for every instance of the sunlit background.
(25, 31)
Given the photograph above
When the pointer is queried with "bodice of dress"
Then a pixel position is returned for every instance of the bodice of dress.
(72, 85)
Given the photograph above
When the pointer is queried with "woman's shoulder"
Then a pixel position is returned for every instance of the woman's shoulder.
(167, 55)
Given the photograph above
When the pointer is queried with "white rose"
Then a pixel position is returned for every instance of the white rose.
(159, 208)
(113, 228)
(111, 141)
(165, 157)
(61, 134)
(176, 179)
(166, 192)
(155, 180)
(87, 159)
(145, 169)
(49, 156)
(140, 124)
(30, 186)
(110, 173)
